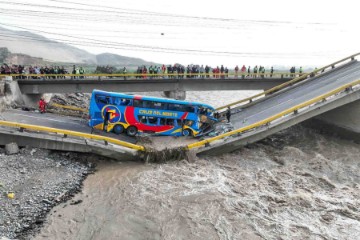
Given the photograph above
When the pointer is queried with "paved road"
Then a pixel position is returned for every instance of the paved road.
(56, 121)
(299, 94)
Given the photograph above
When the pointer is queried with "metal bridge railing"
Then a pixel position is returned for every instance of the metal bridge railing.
(71, 133)
(69, 107)
(130, 76)
(268, 120)
(291, 82)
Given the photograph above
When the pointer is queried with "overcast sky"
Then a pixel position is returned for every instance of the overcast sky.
(229, 32)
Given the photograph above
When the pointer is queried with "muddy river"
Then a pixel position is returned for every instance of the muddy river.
(297, 184)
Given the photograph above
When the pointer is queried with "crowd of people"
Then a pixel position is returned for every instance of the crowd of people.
(34, 70)
(152, 71)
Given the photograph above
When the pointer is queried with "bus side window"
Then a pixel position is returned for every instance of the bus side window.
(158, 105)
(190, 109)
(137, 103)
(100, 99)
(152, 120)
(171, 107)
(108, 100)
(116, 101)
(142, 119)
(170, 122)
(148, 104)
(178, 122)
(162, 121)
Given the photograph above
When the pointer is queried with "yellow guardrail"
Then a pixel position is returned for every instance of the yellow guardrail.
(72, 133)
(276, 116)
(69, 107)
(281, 86)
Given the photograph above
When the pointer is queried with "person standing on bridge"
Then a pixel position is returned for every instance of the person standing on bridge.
(243, 71)
(81, 72)
(42, 105)
(255, 71)
(236, 71)
(124, 72)
(228, 114)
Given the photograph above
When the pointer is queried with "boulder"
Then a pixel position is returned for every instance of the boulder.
(11, 148)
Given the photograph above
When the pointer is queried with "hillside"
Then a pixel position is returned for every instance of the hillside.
(117, 60)
(37, 46)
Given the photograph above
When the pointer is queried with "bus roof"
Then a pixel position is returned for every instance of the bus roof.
(147, 98)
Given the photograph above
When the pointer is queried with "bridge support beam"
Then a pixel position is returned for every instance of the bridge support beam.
(343, 121)
(31, 100)
(14, 94)
(176, 94)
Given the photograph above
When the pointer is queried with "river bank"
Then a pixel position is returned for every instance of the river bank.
(40, 179)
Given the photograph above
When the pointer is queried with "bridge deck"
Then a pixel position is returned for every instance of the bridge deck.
(252, 113)
(37, 86)
(296, 95)
(56, 121)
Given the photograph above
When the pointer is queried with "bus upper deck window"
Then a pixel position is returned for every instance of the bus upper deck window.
(190, 109)
(116, 101)
(138, 103)
(100, 99)
(125, 102)
(158, 105)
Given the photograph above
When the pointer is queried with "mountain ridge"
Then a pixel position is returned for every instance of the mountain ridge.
(37, 46)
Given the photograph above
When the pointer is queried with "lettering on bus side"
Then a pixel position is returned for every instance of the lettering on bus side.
(158, 113)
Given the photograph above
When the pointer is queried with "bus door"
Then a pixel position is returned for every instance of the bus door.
(106, 120)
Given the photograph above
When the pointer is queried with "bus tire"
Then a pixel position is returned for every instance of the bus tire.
(118, 129)
(131, 131)
(187, 132)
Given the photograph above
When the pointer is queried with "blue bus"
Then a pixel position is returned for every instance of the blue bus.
(133, 114)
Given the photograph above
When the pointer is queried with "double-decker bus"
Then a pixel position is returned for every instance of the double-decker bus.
(118, 113)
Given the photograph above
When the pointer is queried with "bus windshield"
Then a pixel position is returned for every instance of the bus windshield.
(133, 114)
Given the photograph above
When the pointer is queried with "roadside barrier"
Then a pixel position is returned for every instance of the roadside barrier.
(71, 133)
(291, 82)
(268, 120)
(69, 107)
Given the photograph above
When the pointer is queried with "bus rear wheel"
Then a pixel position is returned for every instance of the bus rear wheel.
(187, 132)
(131, 131)
(118, 129)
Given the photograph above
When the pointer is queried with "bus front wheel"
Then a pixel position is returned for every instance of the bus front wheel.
(186, 132)
(131, 131)
(118, 129)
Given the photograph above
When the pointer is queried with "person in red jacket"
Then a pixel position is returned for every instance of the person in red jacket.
(42, 105)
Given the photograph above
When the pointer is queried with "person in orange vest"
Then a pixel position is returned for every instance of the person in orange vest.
(42, 105)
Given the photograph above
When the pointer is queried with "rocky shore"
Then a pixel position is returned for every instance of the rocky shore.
(39, 179)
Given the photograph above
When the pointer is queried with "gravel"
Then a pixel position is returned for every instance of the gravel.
(40, 179)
